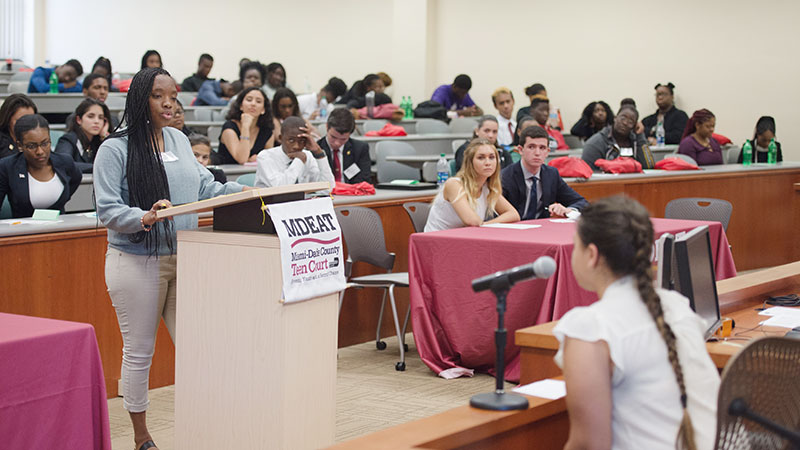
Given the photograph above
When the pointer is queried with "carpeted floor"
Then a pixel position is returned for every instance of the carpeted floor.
(370, 396)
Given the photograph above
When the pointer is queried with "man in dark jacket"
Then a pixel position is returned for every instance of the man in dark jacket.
(535, 189)
(349, 159)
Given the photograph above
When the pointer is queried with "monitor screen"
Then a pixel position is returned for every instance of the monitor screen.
(665, 257)
(695, 273)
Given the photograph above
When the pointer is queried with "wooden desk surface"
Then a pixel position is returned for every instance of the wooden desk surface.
(545, 422)
(738, 297)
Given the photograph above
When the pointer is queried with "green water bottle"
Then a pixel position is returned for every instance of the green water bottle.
(53, 83)
(410, 113)
(747, 153)
(772, 152)
(404, 106)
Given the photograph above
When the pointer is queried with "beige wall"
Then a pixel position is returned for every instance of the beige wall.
(735, 58)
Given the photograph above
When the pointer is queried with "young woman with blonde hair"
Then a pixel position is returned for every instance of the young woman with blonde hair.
(474, 194)
(637, 370)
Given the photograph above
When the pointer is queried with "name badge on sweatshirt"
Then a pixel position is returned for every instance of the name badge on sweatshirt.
(168, 157)
(626, 151)
(352, 171)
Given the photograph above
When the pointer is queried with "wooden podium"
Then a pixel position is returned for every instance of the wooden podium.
(250, 371)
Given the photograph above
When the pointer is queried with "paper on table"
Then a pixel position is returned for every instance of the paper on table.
(784, 321)
(511, 226)
(550, 389)
(28, 222)
(562, 221)
(779, 311)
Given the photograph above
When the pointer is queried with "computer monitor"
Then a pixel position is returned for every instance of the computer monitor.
(695, 275)
(665, 258)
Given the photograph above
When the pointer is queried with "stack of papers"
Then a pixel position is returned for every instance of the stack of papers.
(781, 316)
(511, 226)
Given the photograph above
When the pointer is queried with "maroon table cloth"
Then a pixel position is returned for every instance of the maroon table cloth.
(454, 327)
(52, 389)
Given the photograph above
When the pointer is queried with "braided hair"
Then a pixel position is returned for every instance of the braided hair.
(621, 230)
(699, 116)
(147, 179)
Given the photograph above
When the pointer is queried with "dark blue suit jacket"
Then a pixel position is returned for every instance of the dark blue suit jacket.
(355, 152)
(554, 190)
(14, 182)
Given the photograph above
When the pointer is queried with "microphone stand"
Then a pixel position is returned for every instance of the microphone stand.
(499, 400)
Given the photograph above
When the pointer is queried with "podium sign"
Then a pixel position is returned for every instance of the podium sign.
(312, 260)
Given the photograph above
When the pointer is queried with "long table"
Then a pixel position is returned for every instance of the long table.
(453, 326)
(52, 393)
(56, 271)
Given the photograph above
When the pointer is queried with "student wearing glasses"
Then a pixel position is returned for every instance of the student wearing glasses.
(36, 178)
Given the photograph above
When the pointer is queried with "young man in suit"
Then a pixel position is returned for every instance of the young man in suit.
(348, 158)
(535, 189)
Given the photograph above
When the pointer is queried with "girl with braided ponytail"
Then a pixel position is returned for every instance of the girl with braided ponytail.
(635, 363)
(137, 171)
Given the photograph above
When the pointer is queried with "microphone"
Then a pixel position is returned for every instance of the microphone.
(543, 267)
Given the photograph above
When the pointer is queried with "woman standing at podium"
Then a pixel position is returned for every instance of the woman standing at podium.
(139, 170)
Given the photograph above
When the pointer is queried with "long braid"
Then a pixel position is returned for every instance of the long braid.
(627, 252)
(147, 179)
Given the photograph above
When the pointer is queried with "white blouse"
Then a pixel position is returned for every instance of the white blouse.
(444, 217)
(646, 411)
(44, 193)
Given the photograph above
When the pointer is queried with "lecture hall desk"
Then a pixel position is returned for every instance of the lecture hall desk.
(545, 424)
(67, 263)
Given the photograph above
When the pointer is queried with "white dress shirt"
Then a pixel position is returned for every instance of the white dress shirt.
(275, 168)
(504, 135)
(529, 178)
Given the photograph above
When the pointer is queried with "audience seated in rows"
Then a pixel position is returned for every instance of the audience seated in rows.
(533, 188)
(525, 122)
(455, 97)
(765, 132)
(356, 97)
(320, 104)
(595, 117)
(195, 82)
(67, 74)
(503, 100)
(540, 110)
(672, 118)
(14, 107)
(698, 140)
(299, 159)
(102, 67)
(349, 158)
(201, 147)
(248, 129)
(36, 178)
(619, 139)
(95, 86)
(486, 128)
(474, 195)
(86, 130)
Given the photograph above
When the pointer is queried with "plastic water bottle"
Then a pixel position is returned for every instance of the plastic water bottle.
(772, 152)
(410, 109)
(660, 134)
(747, 153)
(323, 108)
(9, 64)
(442, 170)
(53, 83)
(370, 98)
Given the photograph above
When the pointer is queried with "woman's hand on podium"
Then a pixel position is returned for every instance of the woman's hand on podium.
(149, 218)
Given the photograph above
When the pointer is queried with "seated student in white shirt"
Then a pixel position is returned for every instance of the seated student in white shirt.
(503, 100)
(299, 159)
(635, 362)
